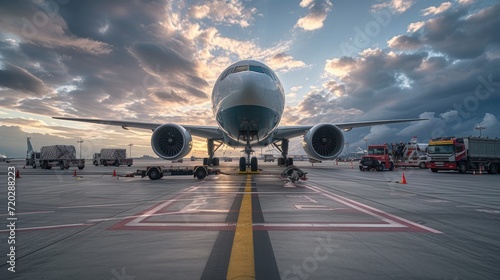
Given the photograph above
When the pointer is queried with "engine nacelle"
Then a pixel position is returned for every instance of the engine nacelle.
(171, 141)
(323, 142)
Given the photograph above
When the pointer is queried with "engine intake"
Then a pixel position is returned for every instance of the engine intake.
(171, 141)
(323, 142)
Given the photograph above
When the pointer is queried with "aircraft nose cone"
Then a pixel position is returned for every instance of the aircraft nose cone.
(248, 89)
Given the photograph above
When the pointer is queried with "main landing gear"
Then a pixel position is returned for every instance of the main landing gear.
(212, 147)
(284, 160)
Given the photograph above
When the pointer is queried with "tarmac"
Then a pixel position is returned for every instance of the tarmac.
(341, 223)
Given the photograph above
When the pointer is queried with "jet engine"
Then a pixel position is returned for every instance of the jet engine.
(323, 142)
(171, 141)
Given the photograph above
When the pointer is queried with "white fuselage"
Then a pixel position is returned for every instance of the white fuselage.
(248, 101)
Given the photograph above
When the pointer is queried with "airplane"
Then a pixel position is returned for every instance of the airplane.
(248, 101)
(4, 158)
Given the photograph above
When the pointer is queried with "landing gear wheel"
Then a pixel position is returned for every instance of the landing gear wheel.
(253, 164)
(281, 161)
(289, 162)
(243, 164)
(215, 161)
(205, 161)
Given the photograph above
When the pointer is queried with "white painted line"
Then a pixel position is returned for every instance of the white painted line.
(29, 213)
(49, 227)
(305, 225)
(347, 200)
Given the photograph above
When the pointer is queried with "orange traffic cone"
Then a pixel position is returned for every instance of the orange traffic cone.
(18, 175)
(114, 173)
(403, 180)
(74, 173)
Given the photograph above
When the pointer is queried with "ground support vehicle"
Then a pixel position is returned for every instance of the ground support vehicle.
(114, 157)
(412, 154)
(62, 156)
(157, 172)
(269, 158)
(32, 159)
(464, 154)
(379, 158)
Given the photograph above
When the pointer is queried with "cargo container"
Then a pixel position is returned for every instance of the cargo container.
(114, 157)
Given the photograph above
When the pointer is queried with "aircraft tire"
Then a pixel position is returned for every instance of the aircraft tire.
(243, 164)
(253, 164)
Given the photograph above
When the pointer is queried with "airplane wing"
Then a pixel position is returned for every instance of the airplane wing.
(286, 132)
(209, 132)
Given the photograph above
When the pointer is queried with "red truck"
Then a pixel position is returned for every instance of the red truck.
(379, 158)
(464, 154)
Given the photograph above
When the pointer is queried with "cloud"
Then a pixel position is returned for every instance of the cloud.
(284, 62)
(489, 120)
(396, 6)
(223, 12)
(40, 24)
(19, 79)
(456, 33)
(317, 12)
(404, 42)
(432, 10)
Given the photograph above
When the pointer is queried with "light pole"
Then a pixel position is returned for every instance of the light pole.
(479, 128)
(346, 144)
(366, 140)
(130, 149)
(80, 142)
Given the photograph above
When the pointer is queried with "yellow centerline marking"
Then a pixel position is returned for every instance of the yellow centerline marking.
(242, 263)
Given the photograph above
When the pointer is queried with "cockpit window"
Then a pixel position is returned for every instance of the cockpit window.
(224, 75)
(256, 69)
(240, 68)
(253, 68)
(268, 72)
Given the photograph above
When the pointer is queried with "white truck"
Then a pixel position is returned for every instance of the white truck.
(114, 157)
(62, 156)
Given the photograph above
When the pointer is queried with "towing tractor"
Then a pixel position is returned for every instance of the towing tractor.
(379, 158)
(464, 154)
(157, 172)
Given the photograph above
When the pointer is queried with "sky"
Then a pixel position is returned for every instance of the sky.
(157, 61)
